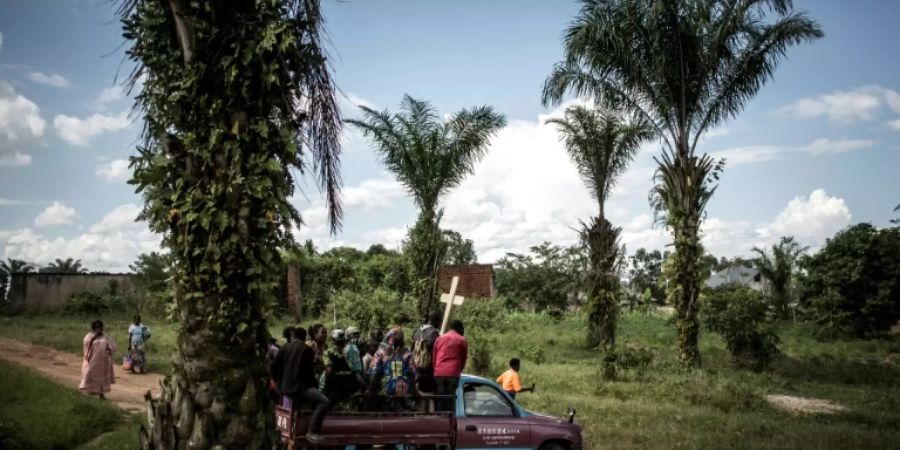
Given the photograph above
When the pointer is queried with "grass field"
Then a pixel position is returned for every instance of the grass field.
(658, 404)
(36, 413)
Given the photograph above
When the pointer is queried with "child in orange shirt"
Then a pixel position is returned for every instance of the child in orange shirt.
(509, 380)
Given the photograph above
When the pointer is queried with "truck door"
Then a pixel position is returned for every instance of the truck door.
(487, 419)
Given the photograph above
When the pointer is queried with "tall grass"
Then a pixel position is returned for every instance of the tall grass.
(655, 403)
(36, 413)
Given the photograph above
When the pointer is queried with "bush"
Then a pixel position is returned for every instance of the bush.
(369, 310)
(740, 315)
(534, 353)
(480, 355)
(634, 358)
(483, 315)
(91, 303)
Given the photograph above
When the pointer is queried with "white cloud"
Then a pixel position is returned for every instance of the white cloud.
(111, 244)
(844, 106)
(8, 202)
(54, 80)
(113, 171)
(21, 125)
(894, 124)
(812, 218)
(111, 94)
(78, 132)
(15, 159)
(759, 153)
(55, 214)
(374, 193)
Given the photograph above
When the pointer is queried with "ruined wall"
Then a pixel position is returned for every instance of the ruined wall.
(39, 290)
(475, 280)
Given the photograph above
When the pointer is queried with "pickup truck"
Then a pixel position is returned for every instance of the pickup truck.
(484, 416)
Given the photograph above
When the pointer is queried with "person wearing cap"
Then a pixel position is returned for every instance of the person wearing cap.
(423, 351)
(338, 382)
(352, 355)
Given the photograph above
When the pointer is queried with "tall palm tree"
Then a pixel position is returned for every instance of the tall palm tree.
(15, 266)
(429, 156)
(601, 144)
(68, 265)
(683, 66)
(778, 269)
(238, 102)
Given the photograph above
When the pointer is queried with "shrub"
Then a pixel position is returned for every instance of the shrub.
(377, 309)
(92, 303)
(480, 355)
(483, 315)
(740, 315)
(534, 354)
(634, 358)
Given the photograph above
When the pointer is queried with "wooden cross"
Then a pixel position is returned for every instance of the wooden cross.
(450, 299)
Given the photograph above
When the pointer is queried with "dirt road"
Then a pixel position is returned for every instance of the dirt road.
(65, 368)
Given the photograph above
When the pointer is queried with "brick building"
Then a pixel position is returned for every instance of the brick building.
(475, 280)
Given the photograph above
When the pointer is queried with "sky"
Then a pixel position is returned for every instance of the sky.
(814, 152)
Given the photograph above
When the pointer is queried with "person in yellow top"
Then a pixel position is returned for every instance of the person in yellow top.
(509, 380)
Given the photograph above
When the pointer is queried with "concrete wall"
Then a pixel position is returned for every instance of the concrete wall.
(38, 290)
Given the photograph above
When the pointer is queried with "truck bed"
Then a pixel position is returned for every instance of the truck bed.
(369, 428)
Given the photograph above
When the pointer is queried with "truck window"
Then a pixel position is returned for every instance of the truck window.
(484, 400)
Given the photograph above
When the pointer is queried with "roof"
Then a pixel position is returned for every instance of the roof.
(475, 280)
(736, 274)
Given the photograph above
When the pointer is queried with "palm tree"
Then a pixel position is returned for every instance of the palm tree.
(238, 102)
(778, 269)
(430, 157)
(683, 66)
(601, 145)
(15, 266)
(68, 265)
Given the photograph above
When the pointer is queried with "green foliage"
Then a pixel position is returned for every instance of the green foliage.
(852, 284)
(682, 68)
(546, 278)
(779, 270)
(740, 315)
(237, 100)
(425, 248)
(644, 271)
(459, 250)
(534, 354)
(43, 415)
(68, 265)
(154, 283)
(91, 303)
(483, 315)
(481, 350)
(632, 358)
(377, 309)
(430, 156)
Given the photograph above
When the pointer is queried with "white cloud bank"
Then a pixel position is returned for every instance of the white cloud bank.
(759, 153)
(114, 171)
(855, 105)
(79, 132)
(54, 80)
(21, 125)
(111, 244)
(56, 214)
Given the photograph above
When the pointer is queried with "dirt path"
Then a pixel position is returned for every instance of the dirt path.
(65, 368)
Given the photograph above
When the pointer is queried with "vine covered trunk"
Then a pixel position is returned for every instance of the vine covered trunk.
(231, 94)
(426, 248)
(602, 239)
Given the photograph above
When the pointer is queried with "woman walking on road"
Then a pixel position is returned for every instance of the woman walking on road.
(97, 366)
(138, 334)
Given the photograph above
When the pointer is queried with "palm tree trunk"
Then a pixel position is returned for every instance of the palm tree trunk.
(603, 289)
(426, 249)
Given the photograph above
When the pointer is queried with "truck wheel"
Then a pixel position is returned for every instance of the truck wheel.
(552, 446)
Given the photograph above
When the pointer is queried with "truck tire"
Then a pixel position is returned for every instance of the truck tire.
(552, 446)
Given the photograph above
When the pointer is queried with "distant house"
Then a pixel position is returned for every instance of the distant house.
(746, 276)
(475, 280)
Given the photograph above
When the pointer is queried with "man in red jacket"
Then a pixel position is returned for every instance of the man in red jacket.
(450, 353)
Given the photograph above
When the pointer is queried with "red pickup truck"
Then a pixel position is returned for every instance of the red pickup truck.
(484, 417)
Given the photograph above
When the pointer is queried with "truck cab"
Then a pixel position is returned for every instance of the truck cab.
(484, 417)
(487, 417)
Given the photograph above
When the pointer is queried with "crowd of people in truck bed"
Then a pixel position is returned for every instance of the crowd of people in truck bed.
(382, 373)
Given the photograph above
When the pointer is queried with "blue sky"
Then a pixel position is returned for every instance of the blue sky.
(815, 151)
